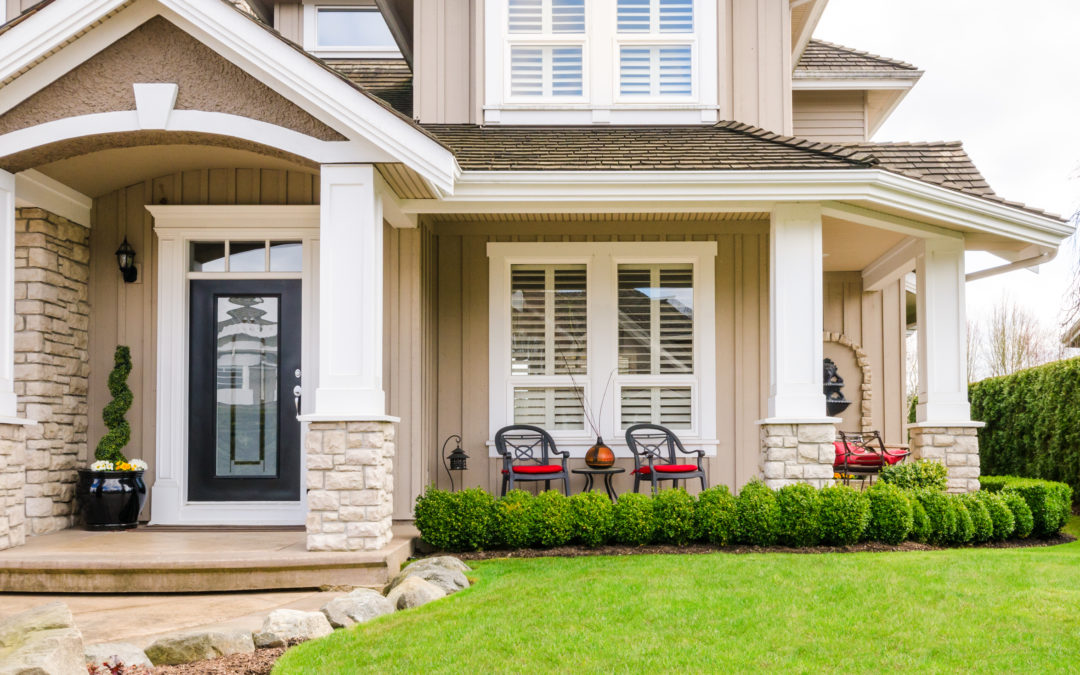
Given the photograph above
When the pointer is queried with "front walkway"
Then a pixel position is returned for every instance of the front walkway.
(168, 560)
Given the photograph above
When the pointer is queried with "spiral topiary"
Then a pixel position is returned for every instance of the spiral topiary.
(112, 444)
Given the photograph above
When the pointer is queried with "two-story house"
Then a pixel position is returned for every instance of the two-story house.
(362, 226)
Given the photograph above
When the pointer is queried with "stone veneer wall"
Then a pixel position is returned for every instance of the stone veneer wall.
(12, 478)
(955, 447)
(797, 453)
(350, 485)
(52, 365)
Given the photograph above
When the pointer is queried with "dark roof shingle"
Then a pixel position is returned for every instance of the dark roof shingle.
(389, 79)
(820, 55)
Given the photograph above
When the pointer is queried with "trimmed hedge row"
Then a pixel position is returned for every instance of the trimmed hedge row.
(1050, 502)
(1032, 423)
(796, 515)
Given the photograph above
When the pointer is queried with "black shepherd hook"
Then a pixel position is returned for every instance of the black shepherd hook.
(445, 465)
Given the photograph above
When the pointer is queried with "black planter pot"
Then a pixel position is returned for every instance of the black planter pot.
(111, 500)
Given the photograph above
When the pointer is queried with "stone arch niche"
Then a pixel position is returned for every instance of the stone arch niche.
(852, 364)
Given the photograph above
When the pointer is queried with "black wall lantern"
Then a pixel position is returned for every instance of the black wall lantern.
(125, 258)
(458, 458)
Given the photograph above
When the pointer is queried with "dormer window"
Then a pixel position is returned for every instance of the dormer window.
(587, 61)
(348, 29)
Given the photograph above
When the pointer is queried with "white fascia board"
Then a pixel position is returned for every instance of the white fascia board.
(853, 81)
(34, 188)
(698, 191)
(240, 40)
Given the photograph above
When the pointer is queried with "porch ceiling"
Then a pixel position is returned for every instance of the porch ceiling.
(851, 247)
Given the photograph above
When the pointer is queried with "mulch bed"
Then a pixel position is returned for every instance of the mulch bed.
(258, 663)
(618, 550)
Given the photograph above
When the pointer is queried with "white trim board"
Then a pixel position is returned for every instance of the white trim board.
(176, 227)
(33, 188)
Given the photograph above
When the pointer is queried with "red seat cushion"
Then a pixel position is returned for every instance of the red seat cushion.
(537, 468)
(669, 468)
(858, 457)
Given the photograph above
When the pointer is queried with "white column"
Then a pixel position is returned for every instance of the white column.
(350, 295)
(942, 333)
(7, 294)
(795, 313)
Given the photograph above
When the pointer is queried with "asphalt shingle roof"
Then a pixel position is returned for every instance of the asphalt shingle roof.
(389, 79)
(820, 55)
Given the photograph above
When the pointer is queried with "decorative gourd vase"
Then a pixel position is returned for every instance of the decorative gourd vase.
(599, 456)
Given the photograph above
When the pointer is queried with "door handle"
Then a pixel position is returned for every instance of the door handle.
(296, 400)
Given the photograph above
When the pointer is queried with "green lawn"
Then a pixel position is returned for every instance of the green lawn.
(987, 610)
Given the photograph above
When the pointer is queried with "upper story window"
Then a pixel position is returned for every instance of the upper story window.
(347, 29)
(581, 61)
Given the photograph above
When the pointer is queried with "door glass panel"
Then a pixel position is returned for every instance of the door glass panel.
(285, 256)
(247, 256)
(247, 385)
(208, 256)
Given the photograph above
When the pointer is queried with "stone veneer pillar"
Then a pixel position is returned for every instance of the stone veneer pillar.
(955, 447)
(52, 316)
(12, 478)
(350, 485)
(797, 453)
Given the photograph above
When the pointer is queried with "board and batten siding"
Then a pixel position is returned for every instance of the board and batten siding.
(127, 313)
(741, 331)
(830, 116)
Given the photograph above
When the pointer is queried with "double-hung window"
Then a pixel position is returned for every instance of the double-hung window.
(590, 338)
(545, 49)
(656, 48)
(347, 29)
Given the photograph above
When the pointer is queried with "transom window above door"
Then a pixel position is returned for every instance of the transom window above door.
(590, 338)
(240, 257)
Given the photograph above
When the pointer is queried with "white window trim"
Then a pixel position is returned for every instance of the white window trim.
(311, 43)
(601, 101)
(546, 41)
(176, 228)
(602, 260)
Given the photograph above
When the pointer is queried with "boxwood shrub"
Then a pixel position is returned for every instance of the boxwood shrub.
(633, 522)
(593, 517)
(715, 513)
(1001, 518)
(673, 511)
(965, 528)
(435, 515)
(980, 519)
(757, 515)
(1025, 523)
(940, 514)
(891, 514)
(845, 513)
(551, 519)
(513, 520)
(800, 515)
(916, 475)
(921, 529)
(1050, 502)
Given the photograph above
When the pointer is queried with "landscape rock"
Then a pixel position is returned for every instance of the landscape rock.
(117, 654)
(447, 561)
(178, 648)
(413, 591)
(359, 606)
(42, 641)
(287, 626)
(450, 581)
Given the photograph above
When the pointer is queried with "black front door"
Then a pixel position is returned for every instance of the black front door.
(243, 436)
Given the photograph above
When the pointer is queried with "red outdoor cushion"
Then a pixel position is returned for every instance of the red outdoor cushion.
(858, 457)
(537, 468)
(669, 468)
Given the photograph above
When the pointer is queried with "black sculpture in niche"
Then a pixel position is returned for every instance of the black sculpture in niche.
(835, 403)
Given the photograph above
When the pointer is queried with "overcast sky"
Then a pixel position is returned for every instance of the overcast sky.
(1003, 77)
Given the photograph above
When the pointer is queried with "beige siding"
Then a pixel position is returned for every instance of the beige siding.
(875, 322)
(447, 58)
(289, 21)
(830, 116)
(126, 313)
(741, 322)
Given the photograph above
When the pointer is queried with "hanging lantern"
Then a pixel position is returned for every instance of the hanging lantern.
(125, 259)
(458, 460)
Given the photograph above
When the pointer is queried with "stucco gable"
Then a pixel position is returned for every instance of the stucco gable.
(158, 51)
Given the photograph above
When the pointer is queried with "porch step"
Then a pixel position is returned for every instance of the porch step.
(149, 560)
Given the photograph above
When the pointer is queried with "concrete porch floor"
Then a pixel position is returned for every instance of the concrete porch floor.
(163, 560)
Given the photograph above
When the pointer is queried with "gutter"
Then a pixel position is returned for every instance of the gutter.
(1033, 261)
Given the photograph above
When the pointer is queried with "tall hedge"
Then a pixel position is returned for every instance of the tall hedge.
(1032, 423)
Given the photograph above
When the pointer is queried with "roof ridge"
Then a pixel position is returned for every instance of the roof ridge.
(865, 54)
(835, 150)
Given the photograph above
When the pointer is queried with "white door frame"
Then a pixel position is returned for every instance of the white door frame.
(176, 227)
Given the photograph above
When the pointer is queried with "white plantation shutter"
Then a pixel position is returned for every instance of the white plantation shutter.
(656, 319)
(539, 68)
(526, 16)
(543, 71)
(552, 408)
(547, 320)
(567, 16)
(634, 16)
(656, 70)
(669, 406)
(676, 16)
(527, 71)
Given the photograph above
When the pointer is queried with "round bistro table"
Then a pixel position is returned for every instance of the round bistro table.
(607, 473)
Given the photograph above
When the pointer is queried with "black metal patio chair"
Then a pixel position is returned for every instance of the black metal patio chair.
(863, 454)
(654, 456)
(527, 455)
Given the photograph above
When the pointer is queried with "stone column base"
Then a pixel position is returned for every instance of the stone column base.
(955, 447)
(12, 481)
(797, 453)
(350, 485)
